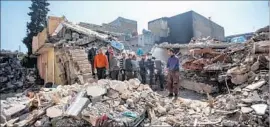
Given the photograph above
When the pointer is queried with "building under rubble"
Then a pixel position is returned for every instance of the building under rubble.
(181, 28)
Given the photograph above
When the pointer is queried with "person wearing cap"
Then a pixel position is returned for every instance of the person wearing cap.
(91, 55)
(143, 69)
(150, 67)
(114, 66)
(101, 64)
(159, 72)
(128, 67)
(173, 74)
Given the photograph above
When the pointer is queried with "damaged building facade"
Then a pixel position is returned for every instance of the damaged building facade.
(61, 50)
(183, 27)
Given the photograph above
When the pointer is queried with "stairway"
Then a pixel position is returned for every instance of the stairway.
(74, 65)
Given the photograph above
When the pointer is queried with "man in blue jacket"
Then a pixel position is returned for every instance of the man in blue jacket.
(173, 74)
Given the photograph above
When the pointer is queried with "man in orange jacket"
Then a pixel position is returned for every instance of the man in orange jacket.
(101, 64)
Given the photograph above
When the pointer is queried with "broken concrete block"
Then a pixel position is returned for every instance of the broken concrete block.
(121, 88)
(130, 102)
(77, 106)
(125, 95)
(135, 83)
(245, 93)
(54, 111)
(259, 108)
(256, 85)
(161, 110)
(112, 93)
(255, 66)
(239, 79)
(13, 110)
(246, 109)
(95, 91)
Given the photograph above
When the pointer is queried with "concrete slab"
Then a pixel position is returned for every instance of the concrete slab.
(95, 91)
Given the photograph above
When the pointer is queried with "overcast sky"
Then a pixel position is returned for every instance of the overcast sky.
(235, 16)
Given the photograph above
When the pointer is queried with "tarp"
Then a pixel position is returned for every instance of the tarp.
(139, 52)
(239, 39)
(117, 45)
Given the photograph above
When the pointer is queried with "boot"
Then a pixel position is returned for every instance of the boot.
(170, 95)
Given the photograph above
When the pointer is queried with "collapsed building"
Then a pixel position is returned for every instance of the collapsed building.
(61, 50)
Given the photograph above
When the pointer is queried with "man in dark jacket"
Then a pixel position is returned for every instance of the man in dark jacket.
(122, 66)
(173, 75)
(91, 55)
(150, 67)
(114, 67)
(159, 73)
(128, 67)
(108, 52)
(142, 65)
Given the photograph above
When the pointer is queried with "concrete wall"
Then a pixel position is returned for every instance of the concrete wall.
(180, 28)
(48, 69)
(159, 28)
(124, 25)
(203, 27)
(53, 22)
(146, 39)
(34, 44)
(42, 37)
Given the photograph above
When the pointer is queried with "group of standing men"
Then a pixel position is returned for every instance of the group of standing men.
(129, 67)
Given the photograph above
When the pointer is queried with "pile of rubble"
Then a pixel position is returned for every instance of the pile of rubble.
(126, 103)
(241, 63)
(12, 75)
(201, 40)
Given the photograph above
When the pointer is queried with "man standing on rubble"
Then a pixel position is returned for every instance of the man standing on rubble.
(150, 67)
(91, 55)
(159, 73)
(110, 49)
(122, 66)
(108, 52)
(173, 74)
(128, 66)
(143, 71)
(114, 67)
(101, 64)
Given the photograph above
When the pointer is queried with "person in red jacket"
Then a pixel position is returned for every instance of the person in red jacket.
(101, 64)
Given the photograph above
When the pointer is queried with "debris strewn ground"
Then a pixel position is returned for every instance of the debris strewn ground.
(241, 70)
